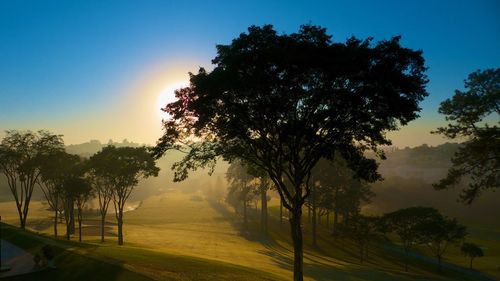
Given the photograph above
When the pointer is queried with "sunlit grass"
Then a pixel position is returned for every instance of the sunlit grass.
(179, 227)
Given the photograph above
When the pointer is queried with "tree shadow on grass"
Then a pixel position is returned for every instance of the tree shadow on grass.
(251, 232)
(39, 224)
(330, 269)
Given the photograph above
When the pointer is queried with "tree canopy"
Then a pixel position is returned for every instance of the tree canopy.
(21, 156)
(472, 251)
(283, 101)
(470, 114)
(121, 168)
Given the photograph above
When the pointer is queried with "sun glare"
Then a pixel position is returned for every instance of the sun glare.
(167, 95)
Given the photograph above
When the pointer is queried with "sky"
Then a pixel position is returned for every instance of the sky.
(100, 69)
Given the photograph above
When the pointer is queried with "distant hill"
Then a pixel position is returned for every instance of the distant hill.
(428, 163)
(408, 176)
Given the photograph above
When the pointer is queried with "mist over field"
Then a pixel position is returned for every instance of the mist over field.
(408, 177)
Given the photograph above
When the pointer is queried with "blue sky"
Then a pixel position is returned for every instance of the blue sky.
(95, 69)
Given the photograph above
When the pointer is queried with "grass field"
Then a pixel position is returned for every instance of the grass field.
(176, 236)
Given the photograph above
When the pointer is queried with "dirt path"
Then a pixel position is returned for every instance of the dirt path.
(19, 261)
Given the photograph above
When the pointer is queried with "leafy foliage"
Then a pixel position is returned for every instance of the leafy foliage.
(284, 101)
(472, 251)
(407, 224)
(468, 112)
(21, 157)
(361, 229)
(121, 168)
(439, 232)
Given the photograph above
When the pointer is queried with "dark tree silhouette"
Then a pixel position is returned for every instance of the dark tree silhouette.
(472, 251)
(77, 191)
(21, 156)
(479, 157)
(56, 168)
(362, 230)
(124, 167)
(282, 102)
(438, 233)
(83, 193)
(242, 188)
(407, 224)
(264, 184)
(98, 176)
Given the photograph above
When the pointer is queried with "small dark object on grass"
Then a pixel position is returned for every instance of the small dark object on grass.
(37, 259)
(48, 254)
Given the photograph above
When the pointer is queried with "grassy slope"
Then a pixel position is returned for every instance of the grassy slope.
(174, 226)
(88, 261)
(71, 266)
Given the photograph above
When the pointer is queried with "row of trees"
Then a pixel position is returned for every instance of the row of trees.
(336, 190)
(69, 181)
(422, 225)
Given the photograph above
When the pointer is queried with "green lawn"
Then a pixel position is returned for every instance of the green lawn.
(176, 236)
(87, 261)
(71, 266)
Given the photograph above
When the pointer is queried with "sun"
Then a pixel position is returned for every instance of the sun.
(166, 96)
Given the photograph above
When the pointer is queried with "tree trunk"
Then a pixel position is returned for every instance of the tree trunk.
(79, 225)
(296, 229)
(327, 219)
(120, 227)
(67, 219)
(55, 222)
(335, 221)
(263, 211)
(406, 260)
(72, 218)
(67, 230)
(314, 215)
(103, 221)
(361, 254)
(21, 220)
(471, 262)
(345, 218)
(439, 263)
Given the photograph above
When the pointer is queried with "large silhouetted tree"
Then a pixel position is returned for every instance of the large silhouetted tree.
(124, 167)
(478, 158)
(284, 101)
(21, 156)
